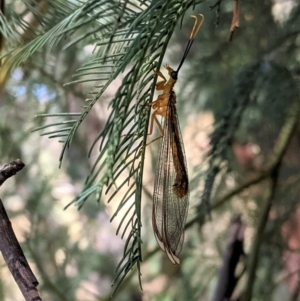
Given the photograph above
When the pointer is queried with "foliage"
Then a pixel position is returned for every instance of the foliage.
(248, 84)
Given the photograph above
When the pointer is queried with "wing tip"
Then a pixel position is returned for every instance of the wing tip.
(173, 258)
(171, 255)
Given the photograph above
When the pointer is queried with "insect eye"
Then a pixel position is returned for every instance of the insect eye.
(174, 75)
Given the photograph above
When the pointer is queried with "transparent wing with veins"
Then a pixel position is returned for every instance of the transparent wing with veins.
(171, 190)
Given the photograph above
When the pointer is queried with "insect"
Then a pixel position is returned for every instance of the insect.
(171, 186)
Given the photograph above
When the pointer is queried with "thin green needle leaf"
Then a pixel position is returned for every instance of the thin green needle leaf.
(56, 131)
(53, 124)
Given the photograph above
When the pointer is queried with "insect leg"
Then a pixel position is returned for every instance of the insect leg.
(154, 119)
(160, 85)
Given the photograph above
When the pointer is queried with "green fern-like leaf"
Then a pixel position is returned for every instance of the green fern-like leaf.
(129, 37)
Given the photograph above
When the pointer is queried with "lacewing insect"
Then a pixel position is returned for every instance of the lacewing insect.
(171, 187)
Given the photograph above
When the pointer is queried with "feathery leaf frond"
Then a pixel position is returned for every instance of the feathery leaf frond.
(129, 37)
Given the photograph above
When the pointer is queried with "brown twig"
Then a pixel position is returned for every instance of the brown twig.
(10, 247)
(235, 23)
(10, 170)
(234, 250)
(16, 260)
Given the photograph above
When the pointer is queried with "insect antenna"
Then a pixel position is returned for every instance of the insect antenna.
(193, 34)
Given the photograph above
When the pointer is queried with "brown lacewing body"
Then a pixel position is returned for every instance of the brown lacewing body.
(171, 187)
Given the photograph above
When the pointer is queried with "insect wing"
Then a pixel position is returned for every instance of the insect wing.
(171, 191)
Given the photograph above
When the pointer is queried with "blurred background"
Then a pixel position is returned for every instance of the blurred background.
(252, 80)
